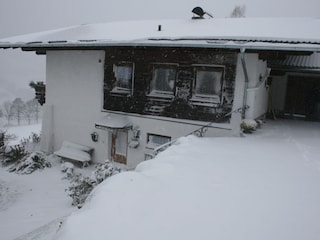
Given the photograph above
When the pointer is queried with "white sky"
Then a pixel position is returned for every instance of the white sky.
(20, 17)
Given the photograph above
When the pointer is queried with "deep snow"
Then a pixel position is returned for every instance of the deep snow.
(30, 201)
(262, 186)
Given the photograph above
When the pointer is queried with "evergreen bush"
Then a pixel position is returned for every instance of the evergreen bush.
(81, 186)
(30, 163)
(14, 154)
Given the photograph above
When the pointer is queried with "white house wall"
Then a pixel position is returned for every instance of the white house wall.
(74, 104)
(165, 127)
(257, 92)
(73, 98)
(236, 116)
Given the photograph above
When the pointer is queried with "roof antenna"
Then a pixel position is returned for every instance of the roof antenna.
(200, 13)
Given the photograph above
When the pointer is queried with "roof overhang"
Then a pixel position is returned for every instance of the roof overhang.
(193, 43)
(113, 122)
(298, 48)
(250, 34)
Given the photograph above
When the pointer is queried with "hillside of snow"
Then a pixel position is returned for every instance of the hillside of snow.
(263, 186)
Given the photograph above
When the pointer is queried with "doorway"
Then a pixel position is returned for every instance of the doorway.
(119, 146)
(303, 97)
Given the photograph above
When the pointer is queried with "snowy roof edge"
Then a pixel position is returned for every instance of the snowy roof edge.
(33, 46)
(255, 33)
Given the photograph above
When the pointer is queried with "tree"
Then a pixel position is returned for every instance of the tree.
(7, 111)
(18, 107)
(31, 110)
(238, 11)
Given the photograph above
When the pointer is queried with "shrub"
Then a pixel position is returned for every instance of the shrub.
(248, 125)
(105, 170)
(17, 154)
(14, 154)
(30, 163)
(80, 189)
(82, 186)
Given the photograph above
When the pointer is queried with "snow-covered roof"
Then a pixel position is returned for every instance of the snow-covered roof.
(113, 121)
(255, 33)
(295, 61)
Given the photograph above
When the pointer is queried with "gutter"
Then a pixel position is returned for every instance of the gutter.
(203, 43)
(246, 78)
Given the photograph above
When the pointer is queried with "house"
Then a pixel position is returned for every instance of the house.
(125, 88)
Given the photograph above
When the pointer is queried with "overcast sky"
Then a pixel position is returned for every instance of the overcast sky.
(17, 17)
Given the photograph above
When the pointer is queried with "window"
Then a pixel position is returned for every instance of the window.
(207, 84)
(154, 141)
(163, 80)
(123, 75)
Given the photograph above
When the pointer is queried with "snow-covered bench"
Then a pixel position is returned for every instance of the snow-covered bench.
(75, 152)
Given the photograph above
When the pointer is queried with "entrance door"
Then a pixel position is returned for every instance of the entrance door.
(119, 146)
(302, 96)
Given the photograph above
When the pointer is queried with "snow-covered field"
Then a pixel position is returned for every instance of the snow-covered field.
(262, 186)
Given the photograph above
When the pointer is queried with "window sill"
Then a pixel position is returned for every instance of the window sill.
(206, 100)
(151, 146)
(121, 91)
(161, 94)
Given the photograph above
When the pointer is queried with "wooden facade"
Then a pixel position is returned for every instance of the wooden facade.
(181, 103)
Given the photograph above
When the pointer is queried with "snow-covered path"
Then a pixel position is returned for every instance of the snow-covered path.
(30, 201)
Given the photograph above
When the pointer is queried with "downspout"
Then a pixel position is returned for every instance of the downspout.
(246, 79)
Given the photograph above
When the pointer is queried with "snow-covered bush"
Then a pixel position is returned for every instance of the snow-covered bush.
(67, 167)
(248, 125)
(105, 170)
(18, 154)
(4, 139)
(30, 163)
(82, 186)
(32, 142)
(80, 189)
(13, 154)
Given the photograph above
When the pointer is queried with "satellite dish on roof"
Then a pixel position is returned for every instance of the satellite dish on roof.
(200, 13)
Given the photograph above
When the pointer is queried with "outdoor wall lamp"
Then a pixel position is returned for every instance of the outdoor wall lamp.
(94, 136)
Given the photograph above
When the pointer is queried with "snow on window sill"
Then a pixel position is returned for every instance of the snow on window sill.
(119, 90)
(152, 146)
(161, 94)
(205, 100)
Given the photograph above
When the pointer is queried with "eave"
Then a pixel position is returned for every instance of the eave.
(248, 46)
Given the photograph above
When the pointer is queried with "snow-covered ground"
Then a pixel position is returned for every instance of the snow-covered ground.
(262, 186)
(22, 132)
(30, 201)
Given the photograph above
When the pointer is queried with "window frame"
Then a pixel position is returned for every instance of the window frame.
(153, 145)
(121, 90)
(207, 99)
(160, 93)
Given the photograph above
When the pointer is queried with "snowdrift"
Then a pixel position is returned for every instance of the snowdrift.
(264, 186)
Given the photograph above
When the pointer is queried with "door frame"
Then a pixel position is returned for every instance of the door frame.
(117, 156)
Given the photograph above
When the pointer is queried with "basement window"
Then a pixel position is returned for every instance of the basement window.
(163, 80)
(154, 141)
(207, 85)
(123, 78)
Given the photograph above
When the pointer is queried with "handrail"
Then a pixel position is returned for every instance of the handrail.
(198, 132)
